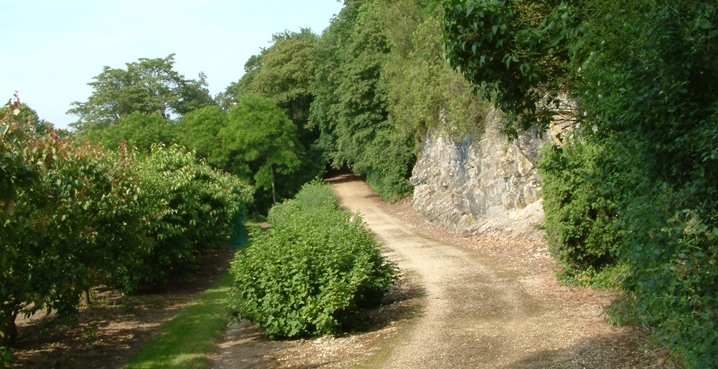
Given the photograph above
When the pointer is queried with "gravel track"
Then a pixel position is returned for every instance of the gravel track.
(479, 313)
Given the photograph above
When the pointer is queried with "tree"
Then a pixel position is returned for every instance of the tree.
(147, 86)
(286, 75)
(515, 52)
(63, 227)
(29, 115)
(15, 172)
(283, 72)
(351, 106)
(139, 130)
(199, 130)
(262, 135)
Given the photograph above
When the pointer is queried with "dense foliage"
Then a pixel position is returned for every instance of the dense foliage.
(638, 183)
(284, 73)
(138, 130)
(199, 131)
(632, 189)
(197, 206)
(516, 52)
(75, 215)
(380, 85)
(362, 95)
(580, 211)
(312, 272)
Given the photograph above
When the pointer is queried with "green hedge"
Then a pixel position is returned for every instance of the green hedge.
(74, 215)
(312, 272)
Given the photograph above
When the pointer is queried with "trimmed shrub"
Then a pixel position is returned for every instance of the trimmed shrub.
(312, 273)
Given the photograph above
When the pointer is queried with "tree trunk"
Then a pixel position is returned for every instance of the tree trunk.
(8, 329)
(274, 196)
(86, 298)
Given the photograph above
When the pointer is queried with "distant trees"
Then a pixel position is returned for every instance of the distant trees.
(147, 86)
(380, 84)
(361, 95)
(284, 73)
(139, 130)
(199, 131)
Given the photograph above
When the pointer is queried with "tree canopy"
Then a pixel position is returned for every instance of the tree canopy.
(199, 130)
(147, 86)
(140, 130)
(264, 140)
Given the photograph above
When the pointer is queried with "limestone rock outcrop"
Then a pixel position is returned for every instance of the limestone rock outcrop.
(484, 184)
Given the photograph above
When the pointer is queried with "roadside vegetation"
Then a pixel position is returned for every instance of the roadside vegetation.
(631, 192)
(75, 216)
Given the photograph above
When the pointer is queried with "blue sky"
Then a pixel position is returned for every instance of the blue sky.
(52, 49)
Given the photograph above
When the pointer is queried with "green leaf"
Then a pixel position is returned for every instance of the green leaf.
(704, 23)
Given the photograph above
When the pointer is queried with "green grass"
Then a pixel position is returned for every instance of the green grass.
(189, 338)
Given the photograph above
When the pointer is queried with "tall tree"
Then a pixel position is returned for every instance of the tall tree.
(263, 137)
(286, 74)
(283, 72)
(351, 107)
(199, 131)
(147, 86)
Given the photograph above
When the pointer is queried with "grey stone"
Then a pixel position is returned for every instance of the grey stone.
(484, 184)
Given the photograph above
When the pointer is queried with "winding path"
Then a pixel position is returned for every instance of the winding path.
(478, 314)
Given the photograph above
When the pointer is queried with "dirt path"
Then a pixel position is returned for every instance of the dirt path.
(479, 312)
(476, 310)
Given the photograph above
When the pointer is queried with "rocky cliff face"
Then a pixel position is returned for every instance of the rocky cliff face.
(481, 185)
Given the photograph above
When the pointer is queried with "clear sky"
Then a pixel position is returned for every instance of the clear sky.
(53, 48)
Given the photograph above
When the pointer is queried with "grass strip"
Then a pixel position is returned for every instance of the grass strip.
(189, 338)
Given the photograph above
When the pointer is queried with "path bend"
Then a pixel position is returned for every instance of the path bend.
(478, 313)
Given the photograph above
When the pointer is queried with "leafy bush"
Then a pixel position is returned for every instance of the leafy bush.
(74, 215)
(312, 272)
(671, 247)
(195, 210)
(579, 210)
(314, 195)
(64, 227)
